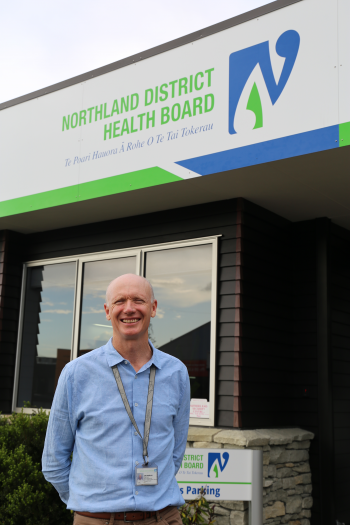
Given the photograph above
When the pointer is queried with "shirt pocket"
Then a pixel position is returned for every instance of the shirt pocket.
(162, 416)
(161, 391)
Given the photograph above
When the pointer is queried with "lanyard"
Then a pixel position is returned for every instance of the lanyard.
(119, 382)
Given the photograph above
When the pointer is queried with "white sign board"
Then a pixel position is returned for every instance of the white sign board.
(199, 408)
(267, 89)
(223, 474)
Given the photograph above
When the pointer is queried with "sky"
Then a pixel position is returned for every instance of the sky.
(42, 43)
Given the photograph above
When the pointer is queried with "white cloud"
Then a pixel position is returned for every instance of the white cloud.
(190, 290)
(160, 313)
(166, 282)
(180, 276)
(102, 336)
(64, 312)
(93, 310)
(58, 276)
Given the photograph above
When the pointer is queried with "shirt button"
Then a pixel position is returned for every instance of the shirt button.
(136, 492)
(136, 404)
(136, 434)
(126, 362)
(136, 462)
(135, 377)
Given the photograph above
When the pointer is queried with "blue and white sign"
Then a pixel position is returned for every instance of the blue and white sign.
(223, 474)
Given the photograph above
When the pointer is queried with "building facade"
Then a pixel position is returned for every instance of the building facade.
(232, 199)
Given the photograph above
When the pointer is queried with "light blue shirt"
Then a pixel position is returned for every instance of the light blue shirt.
(88, 418)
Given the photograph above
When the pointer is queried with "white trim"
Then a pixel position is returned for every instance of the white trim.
(97, 255)
(142, 262)
(45, 262)
(74, 307)
(81, 260)
(29, 410)
(214, 242)
(19, 339)
(77, 307)
(212, 398)
(138, 252)
(105, 256)
(139, 263)
(177, 244)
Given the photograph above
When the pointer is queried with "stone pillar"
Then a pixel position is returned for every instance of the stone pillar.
(286, 473)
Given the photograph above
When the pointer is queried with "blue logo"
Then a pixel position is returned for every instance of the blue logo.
(216, 456)
(242, 64)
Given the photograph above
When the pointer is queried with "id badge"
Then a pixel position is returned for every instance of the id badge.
(146, 475)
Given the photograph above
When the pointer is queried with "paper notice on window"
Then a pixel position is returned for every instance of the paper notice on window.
(199, 408)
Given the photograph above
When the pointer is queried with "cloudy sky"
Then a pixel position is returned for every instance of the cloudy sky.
(42, 42)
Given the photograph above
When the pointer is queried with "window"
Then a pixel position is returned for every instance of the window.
(47, 331)
(62, 314)
(182, 282)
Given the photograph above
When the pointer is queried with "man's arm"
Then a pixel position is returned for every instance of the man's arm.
(59, 440)
(181, 422)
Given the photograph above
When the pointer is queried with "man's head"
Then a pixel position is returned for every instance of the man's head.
(130, 305)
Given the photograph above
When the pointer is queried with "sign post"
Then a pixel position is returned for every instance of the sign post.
(231, 474)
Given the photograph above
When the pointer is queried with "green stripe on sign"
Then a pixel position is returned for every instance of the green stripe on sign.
(216, 482)
(344, 134)
(126, 182)
(134, 180)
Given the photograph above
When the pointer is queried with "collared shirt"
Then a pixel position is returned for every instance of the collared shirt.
(88, 418)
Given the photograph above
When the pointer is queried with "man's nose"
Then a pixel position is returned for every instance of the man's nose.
(129, 307)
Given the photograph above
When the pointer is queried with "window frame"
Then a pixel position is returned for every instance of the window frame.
(139, 252)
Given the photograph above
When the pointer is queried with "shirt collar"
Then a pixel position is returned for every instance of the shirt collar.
(156, 357)
(114, 358)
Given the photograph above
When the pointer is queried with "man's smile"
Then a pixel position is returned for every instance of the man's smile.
(134, 320)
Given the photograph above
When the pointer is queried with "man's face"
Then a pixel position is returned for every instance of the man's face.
(130, 307)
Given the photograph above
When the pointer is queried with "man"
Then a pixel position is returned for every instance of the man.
(90, 419)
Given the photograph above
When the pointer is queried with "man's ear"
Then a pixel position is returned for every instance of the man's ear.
(154, 308)
(106, 307)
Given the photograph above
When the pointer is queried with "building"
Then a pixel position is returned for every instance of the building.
(233, 199)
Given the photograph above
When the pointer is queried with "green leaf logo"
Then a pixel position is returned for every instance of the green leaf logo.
(215, 469)
(254, 105)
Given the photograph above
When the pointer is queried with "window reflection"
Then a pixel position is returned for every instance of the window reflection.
(182, 281)
(47, 331)
(95, 330)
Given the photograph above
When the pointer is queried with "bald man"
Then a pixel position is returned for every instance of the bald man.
(123, 410)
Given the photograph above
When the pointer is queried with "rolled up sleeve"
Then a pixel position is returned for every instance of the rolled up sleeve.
(59, 440)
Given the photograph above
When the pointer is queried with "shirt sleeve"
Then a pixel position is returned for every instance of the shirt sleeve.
(181, 422)
(59, 440)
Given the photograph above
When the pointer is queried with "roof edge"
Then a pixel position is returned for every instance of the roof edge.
(162, 48)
